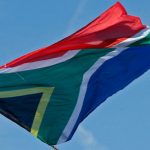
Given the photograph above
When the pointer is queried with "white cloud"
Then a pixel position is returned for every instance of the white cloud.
(88, 141)
(75, 17)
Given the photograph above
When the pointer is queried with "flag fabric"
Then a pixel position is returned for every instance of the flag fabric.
(50, 91)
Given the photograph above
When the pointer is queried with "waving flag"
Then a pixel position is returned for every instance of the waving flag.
(50, 91)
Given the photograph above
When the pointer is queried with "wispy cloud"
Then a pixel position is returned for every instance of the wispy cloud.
(88, 141)
(76, 15)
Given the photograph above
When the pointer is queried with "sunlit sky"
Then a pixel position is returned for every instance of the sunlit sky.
(122, 122)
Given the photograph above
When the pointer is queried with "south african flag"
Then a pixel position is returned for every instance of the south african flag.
(50, 91)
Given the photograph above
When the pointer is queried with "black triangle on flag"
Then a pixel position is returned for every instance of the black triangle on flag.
(23, 106)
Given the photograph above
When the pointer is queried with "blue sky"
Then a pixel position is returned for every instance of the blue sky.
(122, 122)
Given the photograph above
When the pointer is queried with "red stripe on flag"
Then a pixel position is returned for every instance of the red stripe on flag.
(109, 29)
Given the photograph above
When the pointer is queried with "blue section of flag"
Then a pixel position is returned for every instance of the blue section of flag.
(112, 76)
